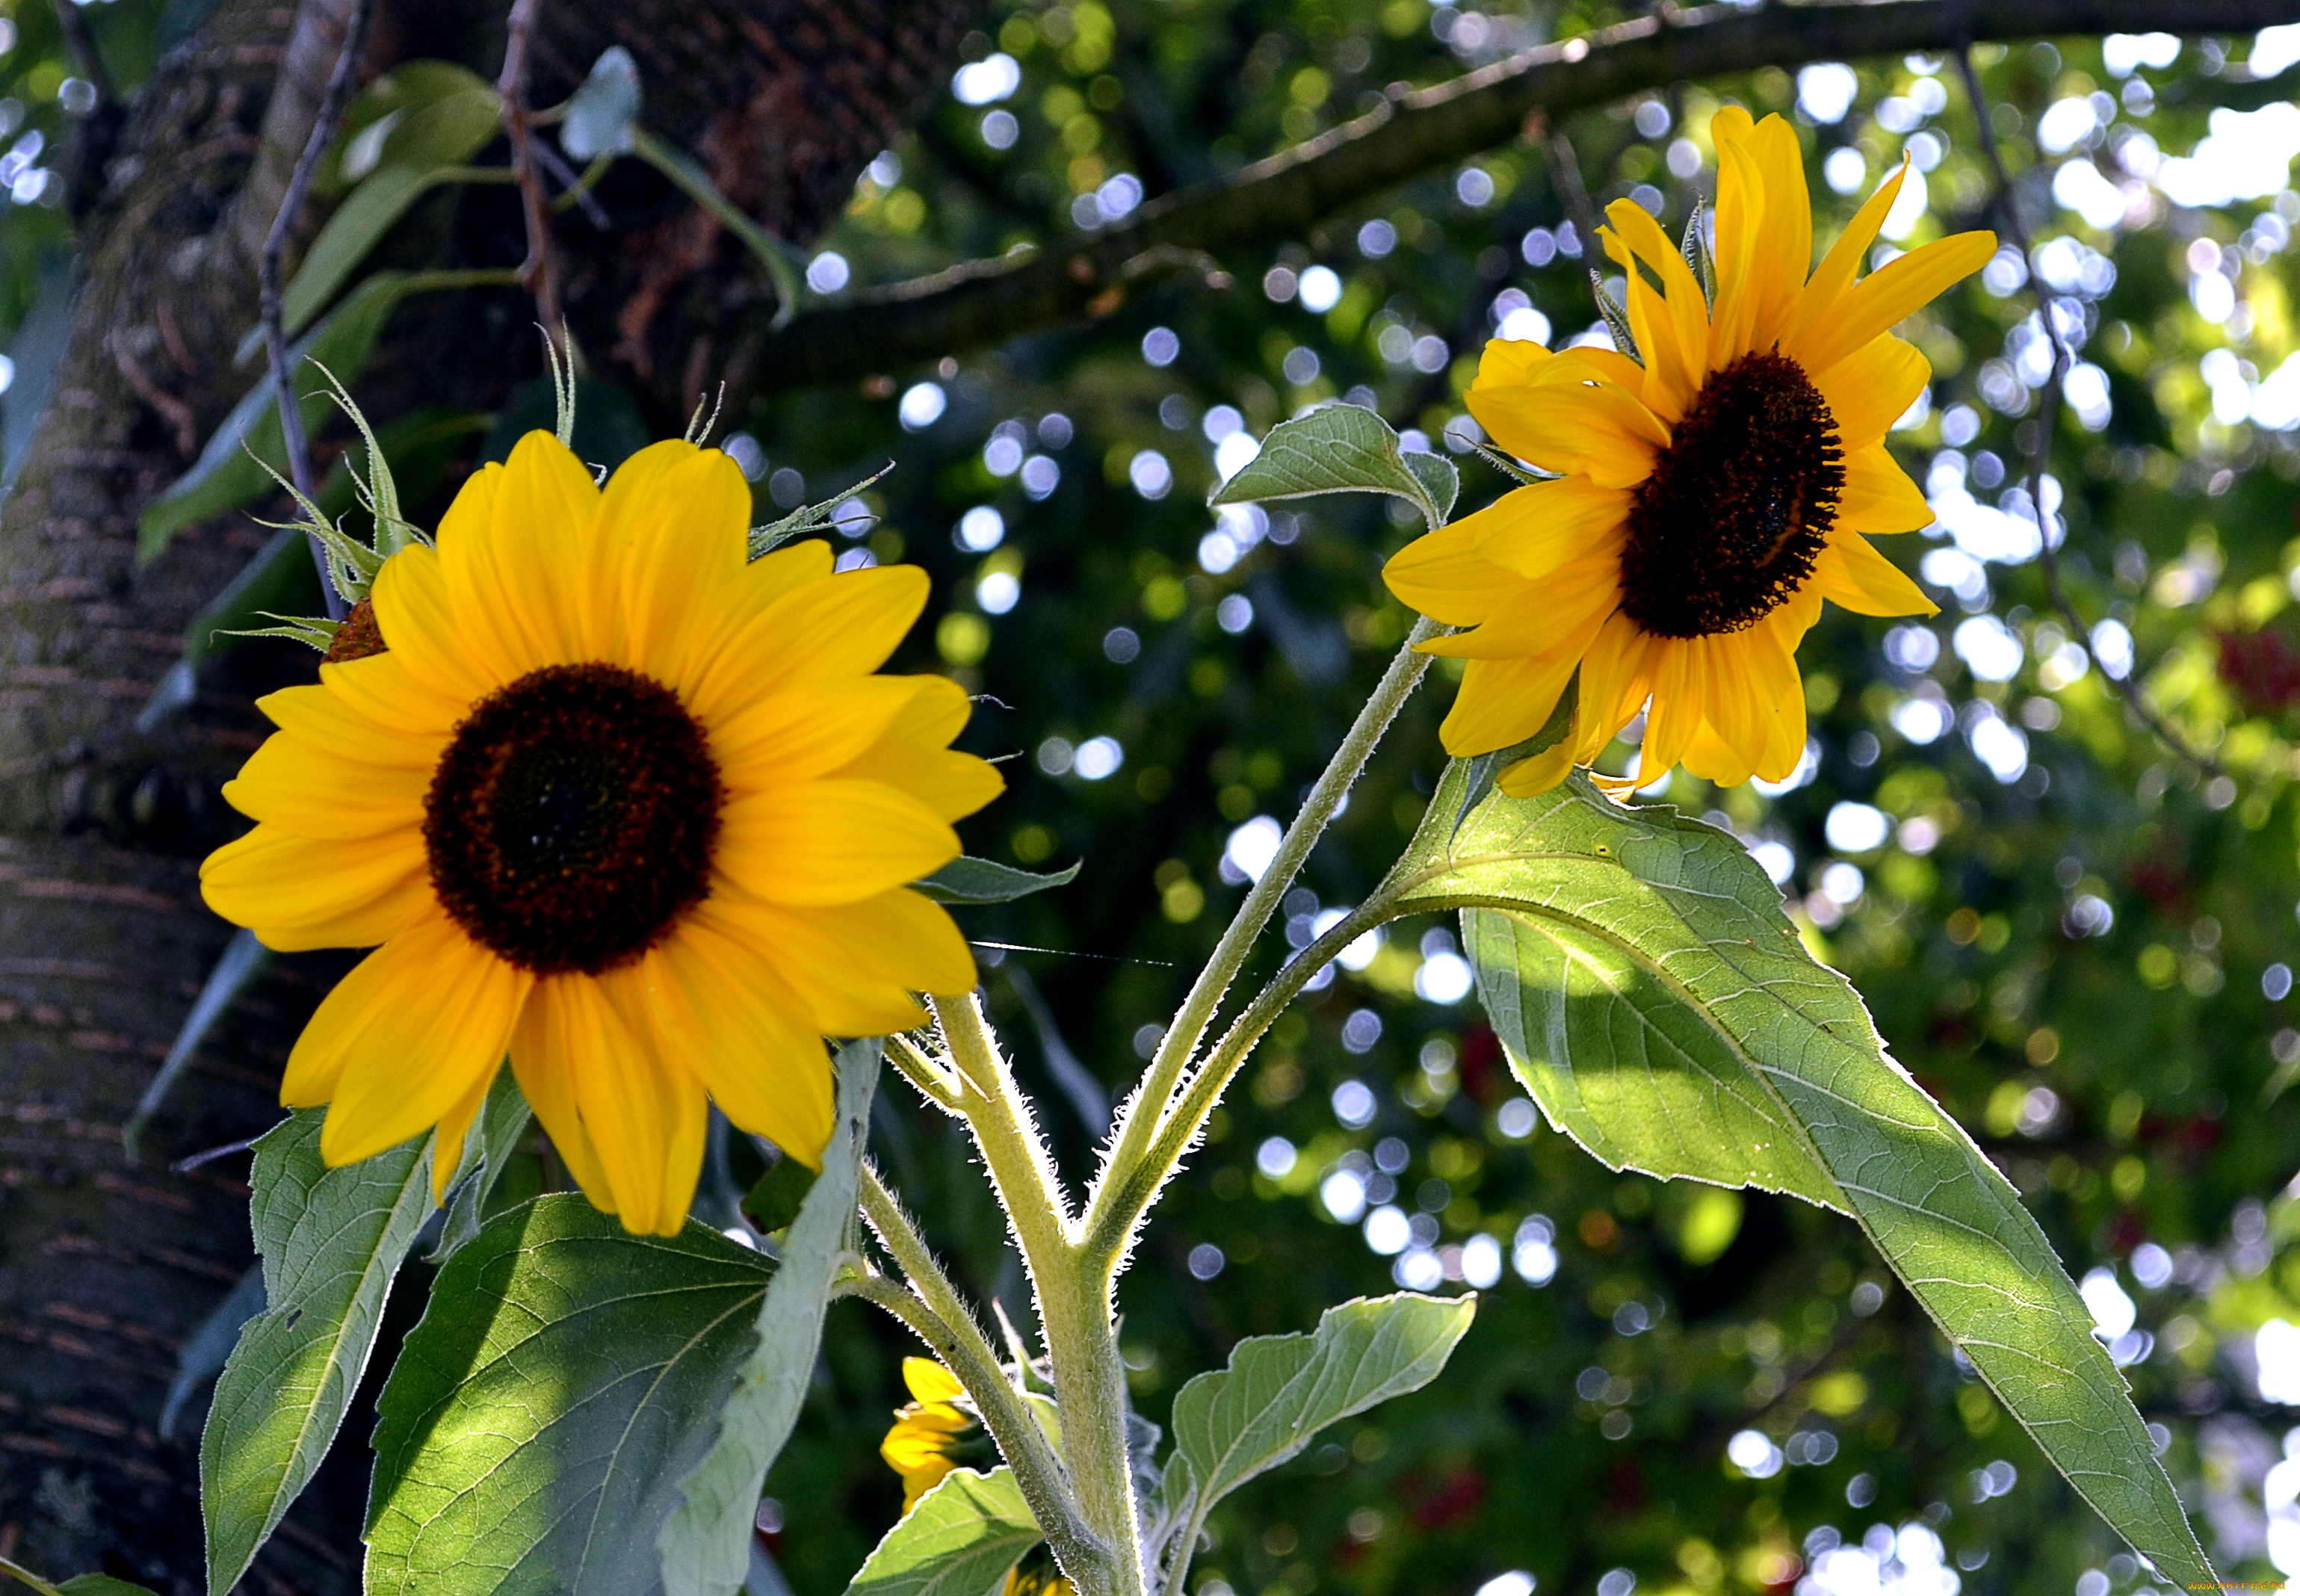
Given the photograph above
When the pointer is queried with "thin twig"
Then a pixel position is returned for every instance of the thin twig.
(80, 43)
(2047, 422)
(267, 270)
(1566, 175)
(981, 303)
(571, 183)
(536, 273)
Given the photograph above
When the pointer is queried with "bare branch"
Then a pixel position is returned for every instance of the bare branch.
(268, 272)
(982, 303)
(536, 273)
(2048, 422)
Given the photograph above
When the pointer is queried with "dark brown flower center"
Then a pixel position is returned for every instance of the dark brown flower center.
(1738, 506)
(571, 822)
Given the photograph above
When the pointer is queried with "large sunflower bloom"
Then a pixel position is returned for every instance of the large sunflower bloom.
(1708, 499)
(618, 804)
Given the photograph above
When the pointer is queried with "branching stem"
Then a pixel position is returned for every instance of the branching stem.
(1132, 1177)
(933, 1310)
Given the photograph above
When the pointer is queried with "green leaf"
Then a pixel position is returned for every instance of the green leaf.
(1658, 1003)
(1481, 772)
(1438, 478)
(1342, 448)
(424, 146)
(503, 1121)
(374, 117)
(599, 117)
(963, 1539)
(983, 881)
(102, 1584)
(225, 477)
(705, 1545)
(774, 1201)
(1280, 1391)
(808, 518)
(332, 1241)
(561, 1383)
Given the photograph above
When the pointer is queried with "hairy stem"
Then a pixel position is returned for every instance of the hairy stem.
(957, 1339)
(1122, 1193)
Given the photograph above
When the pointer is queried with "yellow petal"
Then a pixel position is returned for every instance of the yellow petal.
(1502, 701)
(646, 1117)
(511, 578)
(1817, 305)
(1785, 248)
(719, 1007)
(1563, 420)
(1558, 615)
(930, 1381)
(447, 1143)
(833, 841)
(682, 533)
(400, 1041)
(381, 690)
(1883, 299)
(853, 965)
(1869, 389)
(1779, 689)
(1680, 700)
(1529, 777)
(432, 636)
(1878, 496)
(1442, 574)
(297, 894)
(313, 792)
(797, 735)
(1507, 361)
(1742, 267)
(1675, 340)
(819, 631)
(1532, 531)
(331, 719)
(546, 1079)
(1853, 574)
(1616, 677)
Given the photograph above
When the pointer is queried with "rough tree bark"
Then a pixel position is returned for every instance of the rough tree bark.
(105, 1267)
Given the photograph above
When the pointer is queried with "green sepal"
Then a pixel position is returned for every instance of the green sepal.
(808, 518)
(984, 881)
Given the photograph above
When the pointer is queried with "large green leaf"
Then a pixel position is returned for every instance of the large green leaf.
(563, 1381)
(424, 145)
(225, 477)
(1280, 1391)
(1342, 448)
(1660, 1006)
(332, 1241)
(706, 1544)
(963, 1539)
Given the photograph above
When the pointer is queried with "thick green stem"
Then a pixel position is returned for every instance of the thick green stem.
(1111, 1214)
(940, 1317)
(1075, 1315)
(1074, 1304)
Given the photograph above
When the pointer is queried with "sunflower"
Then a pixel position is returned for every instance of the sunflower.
(930, 1433)
(616, 803)
(1710, 489)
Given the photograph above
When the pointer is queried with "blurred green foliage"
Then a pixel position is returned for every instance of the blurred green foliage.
(2077, 940)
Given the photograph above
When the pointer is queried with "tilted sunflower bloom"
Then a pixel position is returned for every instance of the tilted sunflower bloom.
(1708, 497)
(618, 802)
(932, 1430)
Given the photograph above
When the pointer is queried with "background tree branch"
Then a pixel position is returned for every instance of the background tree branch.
(981, 303)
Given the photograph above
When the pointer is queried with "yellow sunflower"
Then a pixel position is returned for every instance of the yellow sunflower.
(616, 801)
(1710, 494)
(929, 1433)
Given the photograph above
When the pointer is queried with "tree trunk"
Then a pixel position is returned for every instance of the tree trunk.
(104, 1267)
